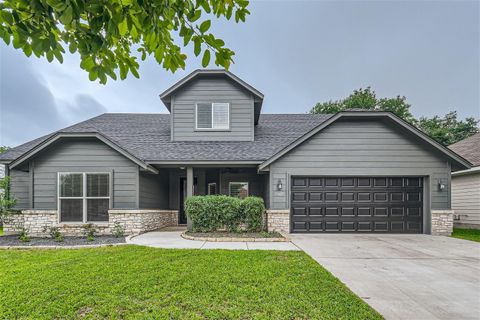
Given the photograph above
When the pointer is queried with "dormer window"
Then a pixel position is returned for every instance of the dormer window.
(212, 116)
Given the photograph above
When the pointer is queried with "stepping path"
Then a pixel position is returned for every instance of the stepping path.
(173, 240)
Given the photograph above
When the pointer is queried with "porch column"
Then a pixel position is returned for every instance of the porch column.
(189, 192)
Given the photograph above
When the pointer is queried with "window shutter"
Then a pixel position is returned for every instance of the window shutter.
(221, 116)
(204, 116)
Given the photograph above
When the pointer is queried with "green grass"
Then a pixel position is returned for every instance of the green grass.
(466, 234)
(1, 230)
(132, 282)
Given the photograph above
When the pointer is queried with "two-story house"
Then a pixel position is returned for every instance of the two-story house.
(348, 172)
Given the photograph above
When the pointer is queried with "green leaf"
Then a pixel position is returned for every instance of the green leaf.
(205, 26)
(134, 72)
(187, 37)
(206, 58)
(219, 43)
(123, 71)
(50, 56)
(123, 27)
(58, 55)
(197, 46)
(67, 16)
(27, 49)
(72, 47)
(196, 16)
(92, 75)
(206, 6)
(6, 16)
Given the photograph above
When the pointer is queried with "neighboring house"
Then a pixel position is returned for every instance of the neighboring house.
(348, 172)
(466, 184)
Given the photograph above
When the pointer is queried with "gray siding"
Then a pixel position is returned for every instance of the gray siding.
(466, 199)
(212, 90)
(154, 190)
(84, 156)
(361, 148)
(20, 188)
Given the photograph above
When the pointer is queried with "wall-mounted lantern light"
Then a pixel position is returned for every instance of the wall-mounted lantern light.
(441, 186)
(279, 185)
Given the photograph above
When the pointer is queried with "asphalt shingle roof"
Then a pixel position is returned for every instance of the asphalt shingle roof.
(147, 137)
(468, 148)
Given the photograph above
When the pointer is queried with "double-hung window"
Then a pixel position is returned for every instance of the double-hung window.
(83, 197)
(238, 189)
(212, 116)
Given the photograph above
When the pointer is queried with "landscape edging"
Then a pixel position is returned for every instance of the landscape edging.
(232, 239)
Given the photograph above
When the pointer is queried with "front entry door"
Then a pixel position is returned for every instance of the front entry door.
(182, 217)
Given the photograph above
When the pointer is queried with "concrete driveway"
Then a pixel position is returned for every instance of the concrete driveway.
(403, 276)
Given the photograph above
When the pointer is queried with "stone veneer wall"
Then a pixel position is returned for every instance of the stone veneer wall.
(278, 220)
(138, 221)
(442, 222)
(134, 222)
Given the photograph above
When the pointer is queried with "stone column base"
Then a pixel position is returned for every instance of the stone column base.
(442, 222)
(278, 220)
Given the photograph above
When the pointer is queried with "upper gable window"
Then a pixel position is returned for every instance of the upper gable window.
(214, 116)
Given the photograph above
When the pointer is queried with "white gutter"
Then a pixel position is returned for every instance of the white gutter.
(468, 171)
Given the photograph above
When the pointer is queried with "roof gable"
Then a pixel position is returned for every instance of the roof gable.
(59, 135)
(166, 96)
(459, 162)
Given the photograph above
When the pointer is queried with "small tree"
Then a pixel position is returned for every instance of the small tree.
(6, 201)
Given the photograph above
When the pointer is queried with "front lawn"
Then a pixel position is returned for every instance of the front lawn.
(139, 282)
(466, 234)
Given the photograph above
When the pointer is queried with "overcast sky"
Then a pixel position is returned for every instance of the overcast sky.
(296, 53)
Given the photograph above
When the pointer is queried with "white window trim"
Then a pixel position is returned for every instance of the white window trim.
(212, 184)
(212, 128)
(233, 182)
(83, 197)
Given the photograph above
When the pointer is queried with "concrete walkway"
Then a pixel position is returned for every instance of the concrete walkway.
(172, 240)
(403, 276)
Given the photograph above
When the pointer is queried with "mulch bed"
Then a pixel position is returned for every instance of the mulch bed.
(13, 241)
(224, 234)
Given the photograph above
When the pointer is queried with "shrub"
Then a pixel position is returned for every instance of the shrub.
(23, 236)
(230, 212)
(209, 213)
(118, 230)
(89, 231)
(54, 233)
(252, 211)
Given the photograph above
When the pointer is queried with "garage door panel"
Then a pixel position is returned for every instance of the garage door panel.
(332, 211)
(348, 226)
(380, 226)
(397, 226)
(357, 204)
(348, 212)
(299, 211)
(316, 226)
(314, 211)
(331, 226)
(315, 196)
(397, 212)
(348, 196)
(299, 196)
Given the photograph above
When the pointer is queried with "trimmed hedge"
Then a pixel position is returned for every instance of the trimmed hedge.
(252, 213)
(210, 213)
